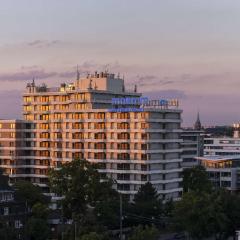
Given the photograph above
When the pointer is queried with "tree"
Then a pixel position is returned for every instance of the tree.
(29, 193)
(37, 229)
(107, 212)
(208, 214)
(7, 232)
(85, 194)
(141, 233)
(147, 206)
(78, 181)
(194, 215)
(196, 179)
(227, 214)
(94, 236)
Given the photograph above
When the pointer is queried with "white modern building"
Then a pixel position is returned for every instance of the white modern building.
(222, 146)
(133, 139)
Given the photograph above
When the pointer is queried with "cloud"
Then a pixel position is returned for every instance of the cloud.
(43, 43)
(10, 104)
(29, 67)
(152, 80)
(170, 93)
(26, 75)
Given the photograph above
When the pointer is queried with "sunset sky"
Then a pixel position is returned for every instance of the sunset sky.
(186, 49)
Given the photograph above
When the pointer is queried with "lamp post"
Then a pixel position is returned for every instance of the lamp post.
(121, 235)
(120, 212)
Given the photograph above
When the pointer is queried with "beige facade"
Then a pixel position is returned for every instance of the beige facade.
(74, 121)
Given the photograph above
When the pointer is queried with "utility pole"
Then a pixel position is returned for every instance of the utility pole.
(121, 235)
(75, 230)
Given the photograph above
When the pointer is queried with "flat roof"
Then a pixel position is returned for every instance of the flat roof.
(218, 158)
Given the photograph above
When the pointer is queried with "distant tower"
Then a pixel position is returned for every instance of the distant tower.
(198, 125)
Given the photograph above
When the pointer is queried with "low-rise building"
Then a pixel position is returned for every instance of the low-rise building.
(13, 213)
(223, 171)
(224, 146)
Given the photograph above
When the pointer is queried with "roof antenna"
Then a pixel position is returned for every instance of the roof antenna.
(90, 84)
(33, 82)
(95, 87)
(135, 88)
(78, 74)
(123, 86)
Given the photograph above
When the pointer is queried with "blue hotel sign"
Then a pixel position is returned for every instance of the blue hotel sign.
(140, 103)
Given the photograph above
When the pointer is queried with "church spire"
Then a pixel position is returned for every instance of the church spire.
(198, 125)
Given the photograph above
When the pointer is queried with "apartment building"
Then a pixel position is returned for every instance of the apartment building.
(133, 139)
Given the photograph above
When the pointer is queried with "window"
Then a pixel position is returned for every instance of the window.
(5, 211)
(144, 178)
(143, 167)
(124, 156)
(99, 115)
(123, 126)
(124, 136)
(123, 166)
(123, 115)
(12, 135)
(123, 187)
(123, 146)
(17, 224)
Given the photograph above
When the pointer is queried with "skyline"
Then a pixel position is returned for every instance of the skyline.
(189, 50)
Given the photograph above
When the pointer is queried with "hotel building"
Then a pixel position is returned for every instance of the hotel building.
(132, 142)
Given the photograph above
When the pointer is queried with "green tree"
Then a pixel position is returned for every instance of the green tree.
(227, 214)
(37, 229)
(29, 193)
(147, 206)
(203, 215)
(196, 179)
(7, 232)
(194, 214)
(79, 182)
(143, 233)
(90, 202)
(94, 236)
(107, 212)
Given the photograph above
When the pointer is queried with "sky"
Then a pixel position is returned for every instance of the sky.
(188, 49)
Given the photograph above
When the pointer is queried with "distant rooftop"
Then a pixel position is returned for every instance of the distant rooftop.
(218, 158)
